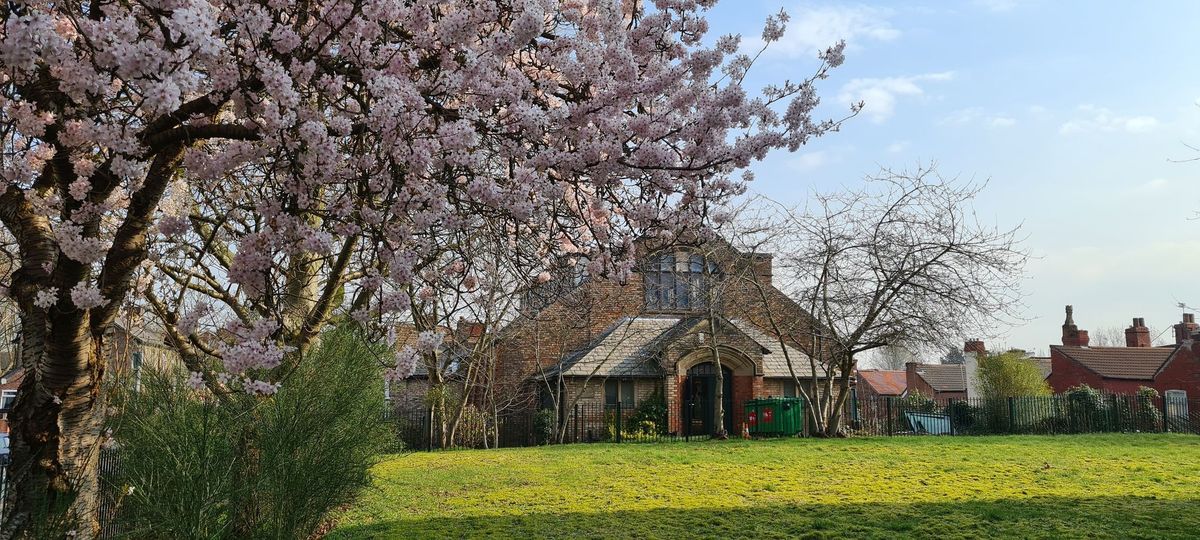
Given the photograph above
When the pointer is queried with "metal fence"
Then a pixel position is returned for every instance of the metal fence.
(913, 415)
(1048, 415)
(423, 429)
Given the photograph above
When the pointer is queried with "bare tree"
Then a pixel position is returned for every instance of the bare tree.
(893, 357)
(902, 259)
(1113, 336)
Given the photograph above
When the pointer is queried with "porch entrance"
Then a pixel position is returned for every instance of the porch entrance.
(700, 396)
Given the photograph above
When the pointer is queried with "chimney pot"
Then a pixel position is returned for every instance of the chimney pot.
(1185, 329)
(1072, 336)
(1137, 335)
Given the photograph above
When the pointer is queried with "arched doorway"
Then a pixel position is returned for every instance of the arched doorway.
(700, 397)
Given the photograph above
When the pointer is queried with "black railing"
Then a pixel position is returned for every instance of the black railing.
(423, 429)
(1041, 415)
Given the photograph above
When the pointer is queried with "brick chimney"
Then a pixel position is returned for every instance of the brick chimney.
(910, 375)
(1185, 329)
(1137, 335)
(975, 346)
(762, 265)
(1072, 336)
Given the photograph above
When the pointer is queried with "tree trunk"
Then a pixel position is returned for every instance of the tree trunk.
(56, 430)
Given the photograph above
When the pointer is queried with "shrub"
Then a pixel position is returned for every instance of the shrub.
(650, 416)
(244, 467)
(544, 422)
(1087, 411)
(1147, 417)
(918, 402)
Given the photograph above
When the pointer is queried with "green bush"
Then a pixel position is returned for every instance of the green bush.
(917, 402)
(650, 416)
(1147, 417)
(193, 466)
(1087, 411)
(544, 423)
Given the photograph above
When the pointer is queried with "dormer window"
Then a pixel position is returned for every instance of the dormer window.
(676, 281)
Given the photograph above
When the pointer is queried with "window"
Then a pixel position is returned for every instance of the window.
(7, 399)
(789, 388)
(137, 371)
(676, 281)
(618, 391)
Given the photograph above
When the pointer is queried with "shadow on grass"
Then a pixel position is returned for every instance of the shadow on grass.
(1044, 517)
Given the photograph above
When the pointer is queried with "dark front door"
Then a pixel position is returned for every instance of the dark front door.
(700, 397)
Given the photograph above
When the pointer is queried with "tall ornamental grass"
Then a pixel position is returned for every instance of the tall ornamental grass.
(194, 466)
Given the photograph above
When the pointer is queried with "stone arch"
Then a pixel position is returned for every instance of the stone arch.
(734, 359)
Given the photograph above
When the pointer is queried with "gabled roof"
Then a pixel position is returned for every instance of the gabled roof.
(885, 382)
(630, 347)
(944, 377)
(1132, 363)
(774, 360)
(625, 349)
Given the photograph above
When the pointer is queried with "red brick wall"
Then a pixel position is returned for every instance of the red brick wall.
(1181, 373)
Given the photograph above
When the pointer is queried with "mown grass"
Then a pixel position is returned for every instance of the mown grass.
(1097, 486)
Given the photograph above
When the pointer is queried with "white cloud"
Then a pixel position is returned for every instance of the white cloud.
(880, 95)
(1002, 121)
(897, 147)
(1155, 184)
(1100, 119)
(809, 160)
(998, 6)
(812, 29)
(973, 115)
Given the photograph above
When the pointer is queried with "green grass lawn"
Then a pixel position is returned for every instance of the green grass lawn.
(1110, 486)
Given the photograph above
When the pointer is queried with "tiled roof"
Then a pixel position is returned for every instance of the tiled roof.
(1043, 364)
(625, 349)
(885, 382)
(1136, 363)
(629, 348)
(774, 361)
(944, 377)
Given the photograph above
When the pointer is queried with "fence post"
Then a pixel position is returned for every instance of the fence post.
(888, 405)
(1164, 413)
(687, 420)
(950, 411)
(576, 422)
(1012, 413)
(618, 420)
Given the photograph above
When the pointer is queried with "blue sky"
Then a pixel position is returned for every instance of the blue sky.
(1076, 113)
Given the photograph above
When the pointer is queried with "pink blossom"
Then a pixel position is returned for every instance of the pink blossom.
(87, 296)
(46, 297)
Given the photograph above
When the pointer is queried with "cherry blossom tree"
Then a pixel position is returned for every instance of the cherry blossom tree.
(329, 145)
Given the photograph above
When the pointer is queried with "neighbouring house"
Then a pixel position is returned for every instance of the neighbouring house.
(410, 395)
(130, 347)
(8, 394)
(1173, 370)
(877, 383)
(938, 381)
(599, 343)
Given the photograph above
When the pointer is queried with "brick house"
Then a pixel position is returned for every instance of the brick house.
(599, 342)
(938, 381)
(1173, 370)
(877, 383)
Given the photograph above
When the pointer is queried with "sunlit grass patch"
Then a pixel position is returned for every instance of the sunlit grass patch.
(1115, 486)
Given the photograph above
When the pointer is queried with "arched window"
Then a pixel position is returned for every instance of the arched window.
(676, 281)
